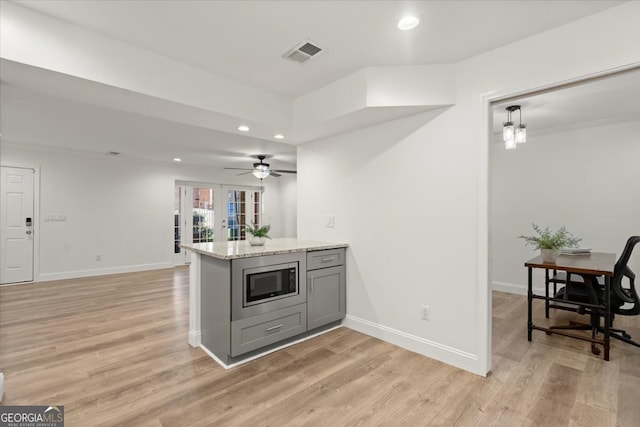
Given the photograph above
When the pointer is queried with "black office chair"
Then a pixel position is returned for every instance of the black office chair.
(593, 294)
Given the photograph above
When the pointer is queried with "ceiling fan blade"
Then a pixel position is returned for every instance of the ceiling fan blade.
(244, 173)
(283, 171)
(274, 173)
(239, 169)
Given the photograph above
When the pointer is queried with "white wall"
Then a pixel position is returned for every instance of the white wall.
(411, 196)
(587, 180)
(288, 206)
(280, 198)
(119, 208)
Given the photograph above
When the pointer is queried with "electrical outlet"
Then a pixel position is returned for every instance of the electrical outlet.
(426, 312)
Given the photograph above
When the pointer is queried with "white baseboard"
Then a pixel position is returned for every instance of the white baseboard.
(45, 277)
(515, 288)
(249, 359)
(449, 355)
(195, 338)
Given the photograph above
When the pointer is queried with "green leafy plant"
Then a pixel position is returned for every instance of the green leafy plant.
(256, 231)
(546, 239)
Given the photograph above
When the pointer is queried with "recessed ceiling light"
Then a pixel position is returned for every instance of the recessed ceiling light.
(408, 23)
(177, 159)
(278, 136)
(243, 128)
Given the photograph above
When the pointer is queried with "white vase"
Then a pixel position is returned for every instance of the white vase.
(549, 255)
(256, 241)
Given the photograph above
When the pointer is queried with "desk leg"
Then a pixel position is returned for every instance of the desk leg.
(607, 315)
(529, 300)
(546, 292)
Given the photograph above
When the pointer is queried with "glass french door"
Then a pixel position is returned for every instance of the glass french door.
(212, 213)
(244, 207)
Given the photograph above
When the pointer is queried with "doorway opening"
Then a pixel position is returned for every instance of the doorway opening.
(562, 176)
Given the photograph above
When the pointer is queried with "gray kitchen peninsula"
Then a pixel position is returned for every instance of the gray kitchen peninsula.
(245, 301)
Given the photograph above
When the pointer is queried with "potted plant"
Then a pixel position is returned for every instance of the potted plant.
(257, 235)
(550, 242)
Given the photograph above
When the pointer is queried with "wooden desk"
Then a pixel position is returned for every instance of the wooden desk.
(595, 264)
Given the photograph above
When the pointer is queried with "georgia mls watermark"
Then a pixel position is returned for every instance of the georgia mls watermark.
(32, 416)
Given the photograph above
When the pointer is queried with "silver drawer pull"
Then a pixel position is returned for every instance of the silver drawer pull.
(327, 259)
(273, 328)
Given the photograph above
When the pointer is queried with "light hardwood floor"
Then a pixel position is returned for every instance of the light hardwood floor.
(113, 350)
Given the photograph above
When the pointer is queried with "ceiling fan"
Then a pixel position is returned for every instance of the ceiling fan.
(261, 169)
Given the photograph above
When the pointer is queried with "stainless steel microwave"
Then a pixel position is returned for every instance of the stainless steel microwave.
(268, 283)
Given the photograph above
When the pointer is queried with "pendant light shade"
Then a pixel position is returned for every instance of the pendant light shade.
(508, 132)
(511, 134)
(521, 134)
(510, 143)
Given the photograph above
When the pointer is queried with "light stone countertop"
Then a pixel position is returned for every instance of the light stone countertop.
(242, 249)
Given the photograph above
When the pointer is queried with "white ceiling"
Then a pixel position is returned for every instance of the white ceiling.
(244, 40)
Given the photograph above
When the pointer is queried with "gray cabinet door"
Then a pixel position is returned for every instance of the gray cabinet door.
(326, 296)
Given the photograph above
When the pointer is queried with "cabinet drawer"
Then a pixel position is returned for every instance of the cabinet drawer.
(264, 329)
(324, 259)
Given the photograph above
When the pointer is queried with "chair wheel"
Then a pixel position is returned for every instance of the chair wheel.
(595, 350)
(626, 335)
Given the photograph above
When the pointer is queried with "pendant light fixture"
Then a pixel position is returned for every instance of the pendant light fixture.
(511, 134)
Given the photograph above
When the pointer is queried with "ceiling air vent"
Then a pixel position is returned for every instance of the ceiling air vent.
(303, 52)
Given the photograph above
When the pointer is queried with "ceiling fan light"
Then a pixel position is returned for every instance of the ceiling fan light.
(510, 144)
(261, 173)
(521, 134)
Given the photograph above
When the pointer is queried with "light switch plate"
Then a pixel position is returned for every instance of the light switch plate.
(329, 221)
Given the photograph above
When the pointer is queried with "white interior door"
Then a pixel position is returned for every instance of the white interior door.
(16, 225)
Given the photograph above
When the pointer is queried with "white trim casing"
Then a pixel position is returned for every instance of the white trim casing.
(484, 308)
